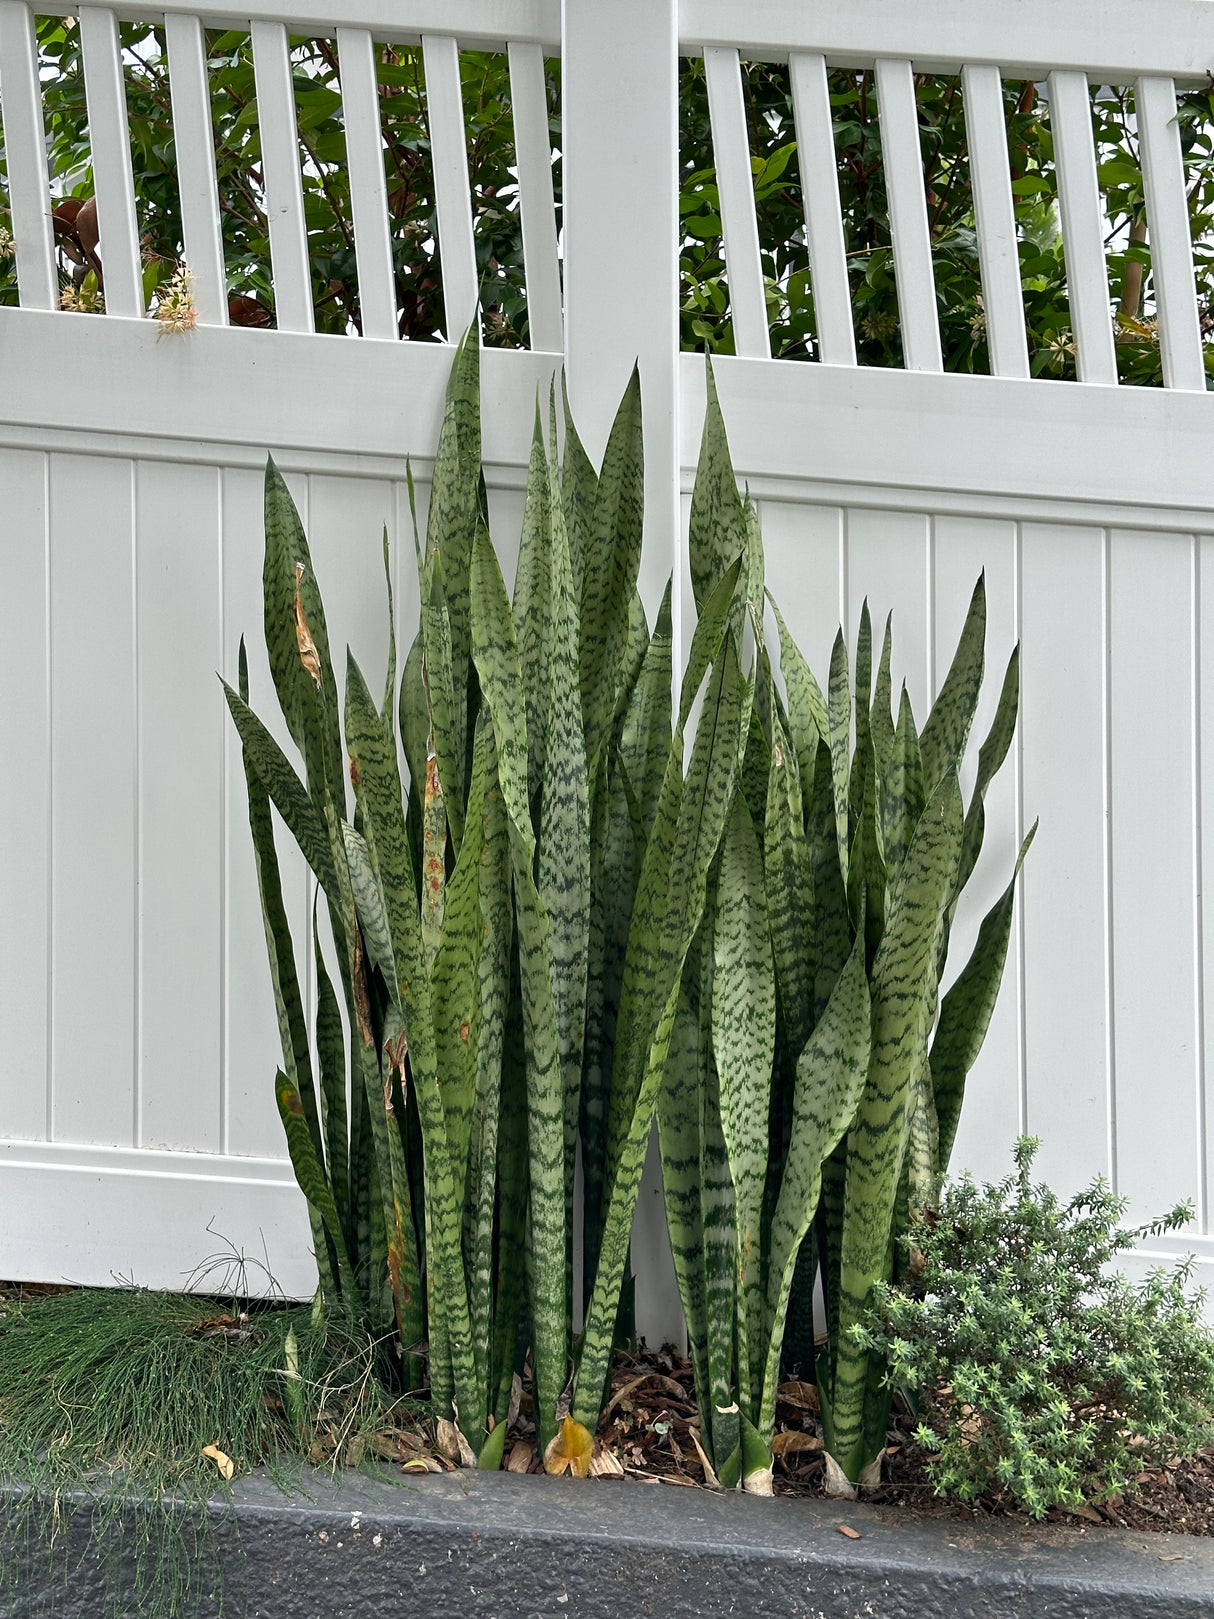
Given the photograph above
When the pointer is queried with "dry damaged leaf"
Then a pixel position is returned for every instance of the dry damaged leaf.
(225, 1464)
(783, 1444)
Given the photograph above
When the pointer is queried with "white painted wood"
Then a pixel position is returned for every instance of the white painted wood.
(94, 801)
(1083, 227)
(620, 179)
(888, 561)
(181, 720)
(735, 185)
(1171, 244)
(991, 183)
(1027, 40)
(251, 1052)
(25, 809)
(109, 136)
(1202, 642)
(145, 1218)
(25, 158)
(1065, 880)
(277, 124)
(368, 189)
(823, 215)
(452, 192)
(537, 209)
(194, 145)
(902, 157)
(1153, 880)
(804, 542)
(483, 25)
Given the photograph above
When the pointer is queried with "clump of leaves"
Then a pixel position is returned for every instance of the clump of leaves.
(1046, 1376)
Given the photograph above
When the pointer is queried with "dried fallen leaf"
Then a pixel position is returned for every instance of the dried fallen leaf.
(802, 1395)
(225, 1464)
(521, 1456)
(783, 1444)
(452, 1444)
(605, 1463)
(570, 1448)
(421, 1464)
(852, 1534)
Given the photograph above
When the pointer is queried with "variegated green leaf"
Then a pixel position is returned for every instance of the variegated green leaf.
(443, 699)
(864, 681)
(331, 1061)
(831, 1072)
(579, 486)
(288, 793)
(965, 1012)
(708, 635)
(718, 527)
(807, 717)
(743, 1043)
(610, 567)
(830, 896)
(311, 1176)
(904, 794)
(839, 735)
(903, 1007)
(881, 720)
(948, 725)
(496, 654)
(533, 605)
(991, 755)
(789, 887)
(866, 866)
(645, 734)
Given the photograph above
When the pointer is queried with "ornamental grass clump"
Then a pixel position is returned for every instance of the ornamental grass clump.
(1045, 1377)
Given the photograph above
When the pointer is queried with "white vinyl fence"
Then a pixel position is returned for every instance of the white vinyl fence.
(138, 1131)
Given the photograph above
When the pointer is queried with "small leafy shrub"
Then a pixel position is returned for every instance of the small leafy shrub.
(1047, 1377)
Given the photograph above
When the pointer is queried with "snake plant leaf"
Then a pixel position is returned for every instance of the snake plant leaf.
(755, 769)
(831, 1072)
(645, 733)
(708, 634)
(679, 1145)
(904, 795)
(636, 644)
(717, 531)
(719, 1220)
(513, 1196)
(434, 862)
(369, 903)
(546, 1144)
(948, 725)
(496, 655)
(610, 566)
(864, 682)
(388, 711)
(313, 1182)
(903, 1006)
(413, 716)
(866, 871)
(838, 731)
(331, 1061)
(453, 514)
(533, 606)
(493, 882)
(455, 986)
(579, 486)
(807, 716)
(288, 793)
(669, 907)
(743, 1044)
(923, 1142)
(297, 638)
(881, 721)
(564, 848)
(965, 1012)
(789, 888)
(443, 698)
(830, 895)
(991, 755)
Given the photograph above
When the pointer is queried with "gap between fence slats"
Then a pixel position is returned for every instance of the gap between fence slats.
(368, 189)
(109, 137)
(279, 132)
(25, 154)
(735, 184)
(995, 216)
(537, 207)
(823, 214)
(1083, 227)
(1171, 244)
(452, 191)
(902, 157)
(194, 144)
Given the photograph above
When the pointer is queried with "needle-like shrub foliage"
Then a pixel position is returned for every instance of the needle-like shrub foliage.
(1045, 1375)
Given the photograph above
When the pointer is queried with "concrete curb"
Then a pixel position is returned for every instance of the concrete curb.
(493, 1546)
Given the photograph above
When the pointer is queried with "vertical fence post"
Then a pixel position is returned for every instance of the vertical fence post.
(619, 78)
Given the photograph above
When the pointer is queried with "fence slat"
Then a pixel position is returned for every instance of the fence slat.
(823, 214)
(1171, 243)
(194, 142)
(276, 122)
(25, 153)
(1083, 226)
(991, 182)
(109, 136)
(452, 191)
(731, 148)
(537, 206)
(368, 189)
(902, 156)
